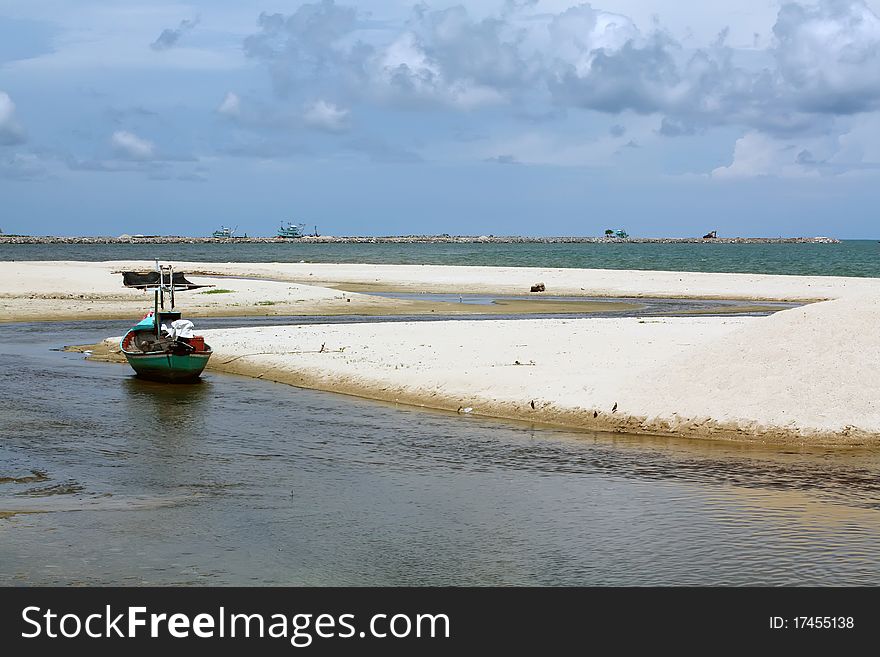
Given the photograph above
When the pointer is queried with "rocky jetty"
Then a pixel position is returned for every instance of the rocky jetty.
(410, 239)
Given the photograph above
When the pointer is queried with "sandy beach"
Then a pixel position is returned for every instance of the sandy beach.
(56, 291)
(805, 375)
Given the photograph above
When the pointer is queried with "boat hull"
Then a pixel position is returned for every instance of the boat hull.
(172, 368)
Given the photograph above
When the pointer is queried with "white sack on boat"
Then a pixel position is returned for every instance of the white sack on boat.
(181, 328)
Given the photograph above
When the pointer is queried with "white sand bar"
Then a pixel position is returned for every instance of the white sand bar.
(558, 281)
(808, 375)
(36, 290)
(71, 279)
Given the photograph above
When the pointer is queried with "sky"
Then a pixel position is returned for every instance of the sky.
(665, 118)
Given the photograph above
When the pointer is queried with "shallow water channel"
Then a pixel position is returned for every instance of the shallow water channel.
(106, 479)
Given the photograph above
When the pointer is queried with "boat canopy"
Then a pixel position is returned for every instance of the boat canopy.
(147, 323)
(150, 279)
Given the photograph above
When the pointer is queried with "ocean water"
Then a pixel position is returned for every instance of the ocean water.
(849, 258)
(113, 480)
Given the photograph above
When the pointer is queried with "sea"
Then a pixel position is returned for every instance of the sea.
(848, 258)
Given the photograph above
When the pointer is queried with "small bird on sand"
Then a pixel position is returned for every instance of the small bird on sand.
(614, 408)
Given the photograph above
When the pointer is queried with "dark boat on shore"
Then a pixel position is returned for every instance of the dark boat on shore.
(162, 346)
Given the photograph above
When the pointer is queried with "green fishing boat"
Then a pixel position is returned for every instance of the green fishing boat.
(162, 346)
(291, 231)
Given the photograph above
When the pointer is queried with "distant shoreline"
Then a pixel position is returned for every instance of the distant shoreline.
(412, 239)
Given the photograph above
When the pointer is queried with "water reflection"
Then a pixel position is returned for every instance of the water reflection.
(161, 409)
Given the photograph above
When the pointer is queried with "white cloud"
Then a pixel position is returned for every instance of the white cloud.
(852, 146)
(231, 105)
(130, 146)
(756, 154)
(828, 55)
(324, 115)
(860, 143)
(11, 131)
(22, 166)
(578, 33)
(403, 73)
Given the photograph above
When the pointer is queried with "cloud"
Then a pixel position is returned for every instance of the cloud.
(231, 105)
(828, 56)
(405, 74)
(11, 132)
(756, 154)
(449, 58)
(675, 128)
(503, 159)
(22, 166)
(303, 46)
(824, 60)
(855, 149)
(438, 58)
(326, 116)
(820, 66)
(129, 146)
(169, 37)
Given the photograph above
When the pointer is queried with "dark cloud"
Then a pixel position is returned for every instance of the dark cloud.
(486, 52)
(675, 128)
(805, 157)
(825, 60)
(635, 77)
(439, 57)
(303, 45)
(169, 37)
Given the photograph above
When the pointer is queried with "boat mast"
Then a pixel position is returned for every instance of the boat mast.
(156, 313)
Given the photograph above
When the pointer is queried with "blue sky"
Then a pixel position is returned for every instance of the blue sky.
(508, 117)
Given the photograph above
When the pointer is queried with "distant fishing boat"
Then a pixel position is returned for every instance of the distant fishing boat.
(162, 346)
(224, 232)
(291, 230)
